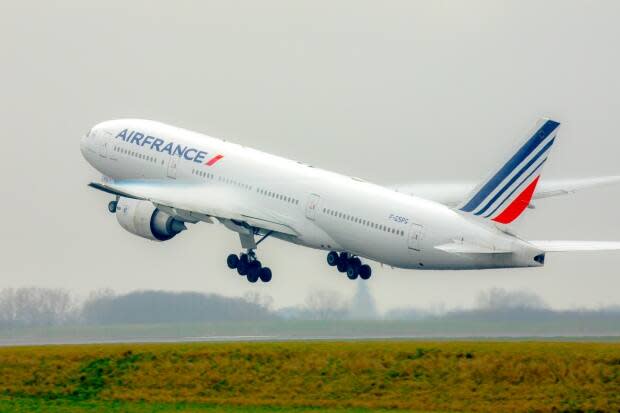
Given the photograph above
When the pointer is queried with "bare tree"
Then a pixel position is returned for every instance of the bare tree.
(35, 306)
(326, 305)
(263, 300)
(500, 299)
(7, 306)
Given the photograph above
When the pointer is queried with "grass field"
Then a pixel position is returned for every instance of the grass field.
(240, 377)
(99, 406)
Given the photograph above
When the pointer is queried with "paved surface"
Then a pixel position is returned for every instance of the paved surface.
(206, 339)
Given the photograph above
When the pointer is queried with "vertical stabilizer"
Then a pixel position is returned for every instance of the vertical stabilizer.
(509, 189)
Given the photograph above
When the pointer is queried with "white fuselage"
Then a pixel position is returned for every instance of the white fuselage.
(326, 210)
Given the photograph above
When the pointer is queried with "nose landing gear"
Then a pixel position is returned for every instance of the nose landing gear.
(345, 263)
(112, 206)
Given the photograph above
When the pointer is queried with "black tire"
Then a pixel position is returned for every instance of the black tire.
(332, 259)
(244, 258)
(112, 207)
(352, 272)
(265, 274)
(356, 262)
(365, 272)
(242, 267)
(342, 266)
(232, 261)
(253, 276)
(254, 270)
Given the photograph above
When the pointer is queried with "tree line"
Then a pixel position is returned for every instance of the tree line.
(34, 306)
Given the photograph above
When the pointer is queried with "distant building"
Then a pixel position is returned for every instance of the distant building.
(363, 305)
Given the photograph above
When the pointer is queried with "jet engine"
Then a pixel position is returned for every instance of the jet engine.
(143, 219)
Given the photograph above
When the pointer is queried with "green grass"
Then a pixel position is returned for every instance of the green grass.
(28, 405)
(416, 375)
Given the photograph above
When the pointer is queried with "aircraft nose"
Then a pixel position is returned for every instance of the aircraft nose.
(85, 143)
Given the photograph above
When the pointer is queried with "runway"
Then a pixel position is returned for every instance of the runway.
(274, 338)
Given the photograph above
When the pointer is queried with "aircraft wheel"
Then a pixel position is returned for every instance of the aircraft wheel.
(253, 276)
(254, 270)
(355, 262)
(265, 274)
(232, 261)
(243, 265)
(332, 258)
(365, 272)
(342, 265)
(112, 207)
(352, 272)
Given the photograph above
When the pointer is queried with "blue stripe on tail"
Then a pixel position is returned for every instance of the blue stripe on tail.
(516, 176)
(540, 135)
(517, 187)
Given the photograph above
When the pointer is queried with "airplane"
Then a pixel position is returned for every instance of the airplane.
(163, 177)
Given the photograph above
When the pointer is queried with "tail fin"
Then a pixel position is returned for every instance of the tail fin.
(508, 191)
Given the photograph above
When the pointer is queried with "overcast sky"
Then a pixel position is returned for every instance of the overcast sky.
(391, 91)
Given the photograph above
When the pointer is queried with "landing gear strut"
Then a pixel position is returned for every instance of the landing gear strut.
(346, 263)
(246, 264)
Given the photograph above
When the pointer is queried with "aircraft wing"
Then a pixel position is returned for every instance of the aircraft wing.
(196, 202)
(452, 194)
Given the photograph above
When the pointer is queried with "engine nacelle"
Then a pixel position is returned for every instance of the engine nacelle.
(141, 218)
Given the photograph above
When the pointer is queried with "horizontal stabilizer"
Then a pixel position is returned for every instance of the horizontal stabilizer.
(467, 248)
(574, 246)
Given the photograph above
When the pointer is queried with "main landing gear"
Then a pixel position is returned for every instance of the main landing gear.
(248, 266)
(344, 262)
(246, 263)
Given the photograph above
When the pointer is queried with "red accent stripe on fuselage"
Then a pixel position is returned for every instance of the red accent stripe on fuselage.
(214, 160)
(519, 204)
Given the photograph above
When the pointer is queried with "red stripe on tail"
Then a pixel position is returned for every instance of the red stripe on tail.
(517, 206)
(214, 160)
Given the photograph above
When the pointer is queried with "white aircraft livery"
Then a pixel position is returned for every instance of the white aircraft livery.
(163, 178)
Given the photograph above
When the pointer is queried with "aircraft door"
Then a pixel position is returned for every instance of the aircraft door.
(172, 167)
(312, 205)
(414, 241)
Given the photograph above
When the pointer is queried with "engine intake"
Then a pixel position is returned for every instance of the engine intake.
(143, 219)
